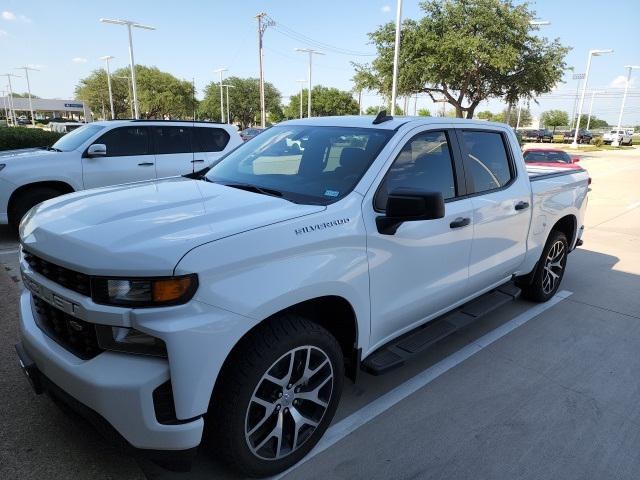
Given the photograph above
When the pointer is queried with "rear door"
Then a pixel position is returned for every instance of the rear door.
(209, 144)
(173, 149)
(501, 197)
(129, 158)
(423, 267)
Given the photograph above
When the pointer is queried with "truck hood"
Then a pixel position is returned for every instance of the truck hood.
(22, 154)
(146, 228)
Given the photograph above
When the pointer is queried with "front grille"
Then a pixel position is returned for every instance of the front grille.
(78, 282)
(77, 336)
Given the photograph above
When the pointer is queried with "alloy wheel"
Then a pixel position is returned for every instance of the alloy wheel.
(553, 266)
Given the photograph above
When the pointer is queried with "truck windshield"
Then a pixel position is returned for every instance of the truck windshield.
(303, 164)
(77, 137)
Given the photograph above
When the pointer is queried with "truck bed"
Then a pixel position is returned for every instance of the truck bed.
(538, 172)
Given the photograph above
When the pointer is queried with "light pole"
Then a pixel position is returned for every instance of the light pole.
(616, 142)
(26, 69)
(106, 59)
(220, 71)
(11, 106)
(311, 52)
(579, 77)
(132, 64)
(227, 86)
(301, 82)
(4, 103)
(592, 53)
(128, 79)
(396, 56)
(593, 96)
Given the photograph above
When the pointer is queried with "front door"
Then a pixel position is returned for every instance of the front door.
(128, 159)
(422, 268)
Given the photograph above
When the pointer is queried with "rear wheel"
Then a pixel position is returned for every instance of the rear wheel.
(27, 200)
(545, 280)
(276, 397)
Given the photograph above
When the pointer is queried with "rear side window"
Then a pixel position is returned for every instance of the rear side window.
(126, 141)
(486, 160)
(172, 140)
(209, 139)
(423, 164)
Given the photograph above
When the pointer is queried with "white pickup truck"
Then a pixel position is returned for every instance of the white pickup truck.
(622, 136)
(230, 306)
(107, 153)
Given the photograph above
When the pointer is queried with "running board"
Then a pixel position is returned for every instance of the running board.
(394, 354)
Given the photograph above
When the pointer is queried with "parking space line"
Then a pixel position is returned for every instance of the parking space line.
(367, 413)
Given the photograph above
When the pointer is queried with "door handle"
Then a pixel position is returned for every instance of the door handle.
(522, 205)
(145, 164)
(460, 222)
(197, 161)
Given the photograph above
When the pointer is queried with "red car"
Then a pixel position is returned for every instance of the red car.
(550, 157)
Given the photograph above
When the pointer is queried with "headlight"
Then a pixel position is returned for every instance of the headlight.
(144, 292)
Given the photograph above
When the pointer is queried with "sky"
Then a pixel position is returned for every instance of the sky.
(64, 40)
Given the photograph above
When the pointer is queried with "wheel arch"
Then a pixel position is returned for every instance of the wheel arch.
(567, 225)
(61, 186)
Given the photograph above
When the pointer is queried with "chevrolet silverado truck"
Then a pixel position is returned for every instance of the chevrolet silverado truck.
(107, 153)
(223, 311)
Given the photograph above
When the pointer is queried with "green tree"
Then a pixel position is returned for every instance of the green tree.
(325, 101)
(594, 123)
(159, 93)
(554, 118)
(374, 110)
(424, 112)
(24, 95)
(466, 51)
(244, 101)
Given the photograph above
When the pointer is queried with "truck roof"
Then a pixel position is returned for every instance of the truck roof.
(366, 121)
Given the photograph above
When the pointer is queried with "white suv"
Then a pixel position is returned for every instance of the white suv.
(85, 158)
(624, 137)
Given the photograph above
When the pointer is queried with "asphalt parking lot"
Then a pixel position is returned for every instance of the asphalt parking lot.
(526, 392)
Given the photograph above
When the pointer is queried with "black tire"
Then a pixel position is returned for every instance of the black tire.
(229, 422)
(29, 199)
(534, 286)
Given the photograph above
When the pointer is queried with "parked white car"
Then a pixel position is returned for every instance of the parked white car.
(64, 127)
(108, 153)
(233, 304)
(624, 137)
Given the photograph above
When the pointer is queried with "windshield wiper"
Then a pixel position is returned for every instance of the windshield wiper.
(254, 188)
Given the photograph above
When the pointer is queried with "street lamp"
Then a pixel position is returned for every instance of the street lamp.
(396, 56)
(227, 86)
(132, 64)
(301, 82)
(128, 79)
(26, 69)
(592, 53)
(220, 71)
(311, 52)
(106, 59)
(593, 96)
(616, 143)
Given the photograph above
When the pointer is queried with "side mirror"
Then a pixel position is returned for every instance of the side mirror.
(97, 150)
(406, 205)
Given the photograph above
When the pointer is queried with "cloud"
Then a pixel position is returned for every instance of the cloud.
(3, 33)
(79, 60)
(620, 82)
(11, 17)
(385, 9)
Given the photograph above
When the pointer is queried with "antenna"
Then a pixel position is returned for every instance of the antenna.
(382, 117)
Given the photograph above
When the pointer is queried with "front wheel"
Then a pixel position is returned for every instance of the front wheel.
(276, 397)
(546, 278)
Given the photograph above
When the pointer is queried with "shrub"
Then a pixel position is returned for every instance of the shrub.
(20, 137)
(597, 141)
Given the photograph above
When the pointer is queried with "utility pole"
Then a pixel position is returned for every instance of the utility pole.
(301, 82)
(263, 22)
(193, 96)
(106, 59)
(396, 56)
(360, 102)
(26, 69)
(4, 103)
(220, 71)
(11, 106)
(593, 95)
(579, 77)
(311, 52)
(128, 79)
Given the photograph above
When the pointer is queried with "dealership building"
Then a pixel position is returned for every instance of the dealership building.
(47, 108)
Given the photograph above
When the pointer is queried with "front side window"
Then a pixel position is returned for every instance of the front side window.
(77, 137)
(304, 164)
(486, 159)
(126, 141)
(172, 140)
(424, 164)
